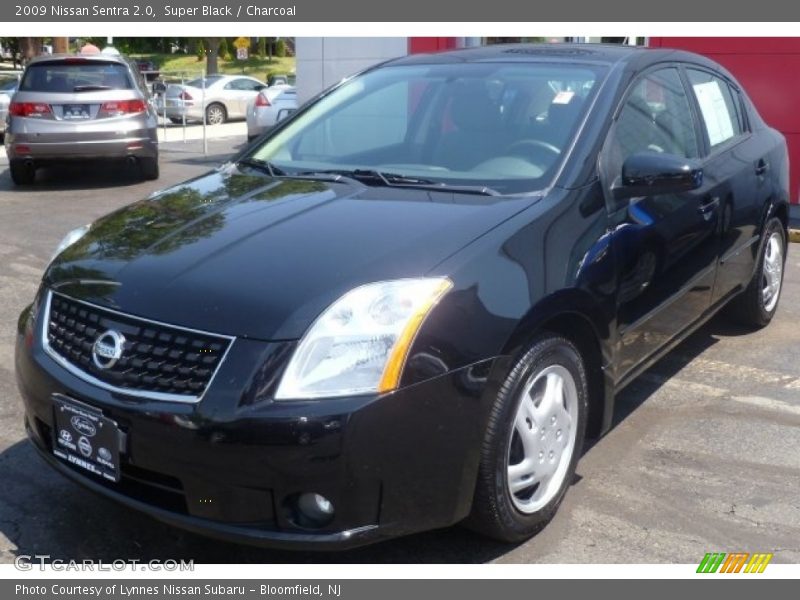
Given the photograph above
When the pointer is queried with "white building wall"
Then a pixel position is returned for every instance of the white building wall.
(324, 61)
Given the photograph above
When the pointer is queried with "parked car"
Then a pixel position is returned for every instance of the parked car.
(8, 85)
(270, 105)
(226, 97)
(146, 66)
(70, 107)
(412, 302)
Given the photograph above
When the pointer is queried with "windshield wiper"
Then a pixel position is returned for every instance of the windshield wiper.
(91, 88)
(397, 180)
(261, 165)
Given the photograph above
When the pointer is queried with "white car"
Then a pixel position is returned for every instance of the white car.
(226, 97)
(271, 105)
(8, 85)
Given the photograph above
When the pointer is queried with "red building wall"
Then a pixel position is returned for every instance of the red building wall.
(769, 69)
(421, 45)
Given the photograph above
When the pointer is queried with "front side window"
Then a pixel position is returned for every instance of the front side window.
(719, 106)
(505, 126)
(656, 117)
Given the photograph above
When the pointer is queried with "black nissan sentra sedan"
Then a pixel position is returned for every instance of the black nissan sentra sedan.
(411, 303)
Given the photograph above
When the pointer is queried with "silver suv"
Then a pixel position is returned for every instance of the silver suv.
(75, 107)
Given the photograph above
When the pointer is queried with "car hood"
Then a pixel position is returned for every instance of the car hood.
(242, 254)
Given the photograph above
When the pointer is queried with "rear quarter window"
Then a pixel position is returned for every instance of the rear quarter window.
(68, 78)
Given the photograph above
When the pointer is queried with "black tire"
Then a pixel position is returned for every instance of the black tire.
(749, 307)
(149, 168)
(22, 172)
(494, 513)
(210, 110)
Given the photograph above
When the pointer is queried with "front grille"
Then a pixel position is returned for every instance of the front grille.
(158, 361)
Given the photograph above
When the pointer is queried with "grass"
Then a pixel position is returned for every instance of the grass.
(260, 68)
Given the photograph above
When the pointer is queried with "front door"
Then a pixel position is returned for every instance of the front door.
(665, 246)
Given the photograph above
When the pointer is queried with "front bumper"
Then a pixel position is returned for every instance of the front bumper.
(229, 466)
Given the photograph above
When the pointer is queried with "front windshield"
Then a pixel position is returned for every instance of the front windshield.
(501, 125)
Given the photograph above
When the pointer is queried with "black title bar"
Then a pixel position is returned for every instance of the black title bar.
(449, 11)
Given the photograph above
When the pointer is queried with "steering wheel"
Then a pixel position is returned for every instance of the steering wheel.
(528, 148)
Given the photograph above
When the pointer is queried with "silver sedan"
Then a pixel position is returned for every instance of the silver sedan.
(218, 97)
(271, 105)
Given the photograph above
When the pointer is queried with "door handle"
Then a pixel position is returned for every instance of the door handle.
(762, 167)
(708, 206)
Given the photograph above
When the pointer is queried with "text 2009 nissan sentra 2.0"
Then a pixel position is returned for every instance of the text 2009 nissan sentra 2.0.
(413, 301)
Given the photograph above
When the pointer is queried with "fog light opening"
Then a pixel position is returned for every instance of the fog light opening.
(312, 510)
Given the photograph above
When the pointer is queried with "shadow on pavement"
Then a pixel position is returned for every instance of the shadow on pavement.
(43, 513)
(79, 176)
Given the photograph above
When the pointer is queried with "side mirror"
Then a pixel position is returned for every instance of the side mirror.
(654, 173)
(260, 87)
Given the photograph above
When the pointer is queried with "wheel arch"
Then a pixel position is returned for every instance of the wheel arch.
(576, 316)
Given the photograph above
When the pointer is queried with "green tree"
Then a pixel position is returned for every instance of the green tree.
(280, 48)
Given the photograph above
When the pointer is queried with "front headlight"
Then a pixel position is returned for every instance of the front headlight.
(71, 238)
(360, 343)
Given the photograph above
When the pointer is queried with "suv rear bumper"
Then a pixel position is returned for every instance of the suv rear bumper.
(19, 147)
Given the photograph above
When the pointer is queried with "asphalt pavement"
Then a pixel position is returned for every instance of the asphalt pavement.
(704, 454)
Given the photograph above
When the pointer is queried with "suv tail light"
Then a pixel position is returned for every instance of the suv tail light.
(184, 95)
(262, 100)
(30, 109)
(116, 108)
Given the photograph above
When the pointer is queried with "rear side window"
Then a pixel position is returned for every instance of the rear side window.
(66, 77)
(243, 85)
(209, 81)
(720, 108)
(8, 85)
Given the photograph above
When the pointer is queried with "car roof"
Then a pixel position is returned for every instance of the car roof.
(556, 52)
(54, 58)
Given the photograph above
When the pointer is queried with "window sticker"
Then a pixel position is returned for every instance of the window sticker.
(716, 116)
(564, 97)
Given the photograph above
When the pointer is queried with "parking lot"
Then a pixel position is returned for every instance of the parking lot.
(704, 455)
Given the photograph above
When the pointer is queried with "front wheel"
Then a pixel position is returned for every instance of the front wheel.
(216, 114)
(757, 304)
(533, 441)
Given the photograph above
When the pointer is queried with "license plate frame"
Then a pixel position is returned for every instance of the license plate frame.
(85, 438)
(75, 112)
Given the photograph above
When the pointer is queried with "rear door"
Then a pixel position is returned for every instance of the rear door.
(737, 166)
(238, 93)
(665, 246)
